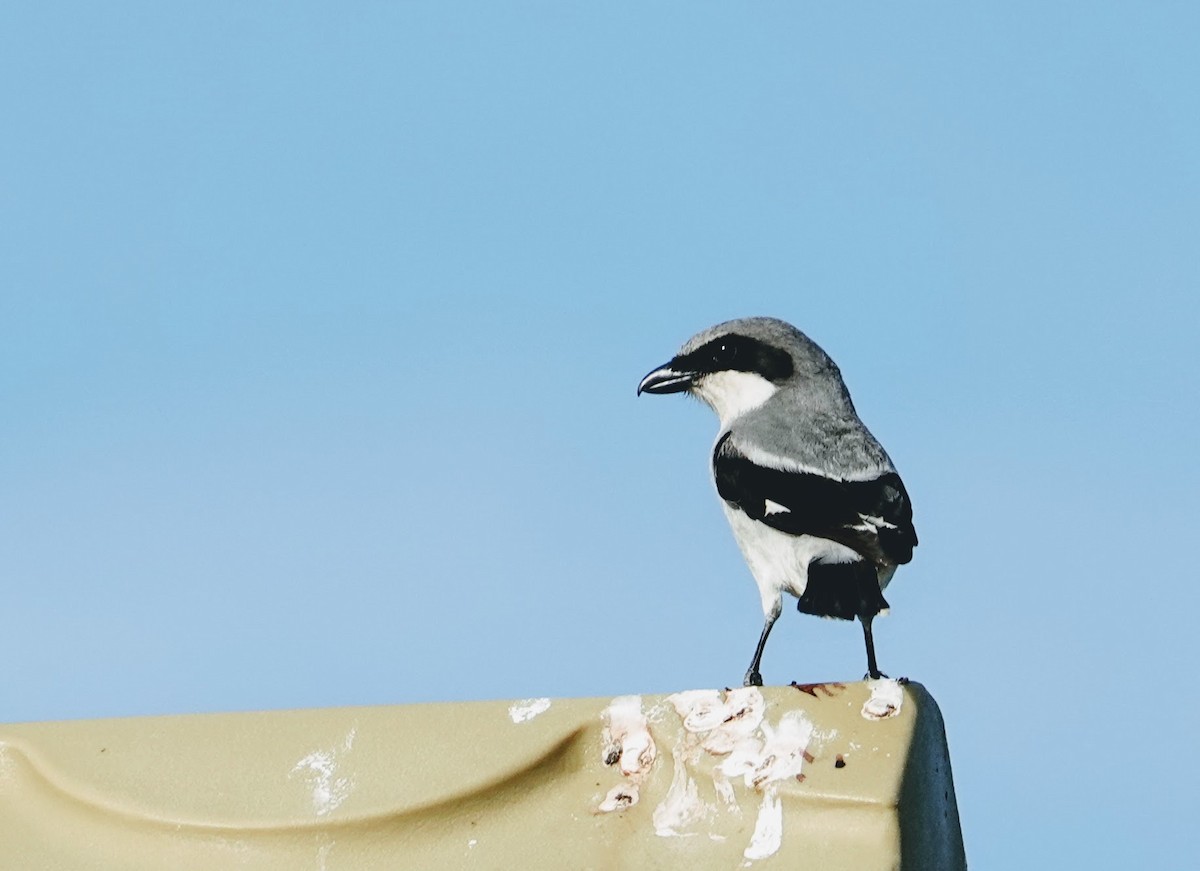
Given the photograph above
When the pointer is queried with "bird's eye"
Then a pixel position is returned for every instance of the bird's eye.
(725, 354)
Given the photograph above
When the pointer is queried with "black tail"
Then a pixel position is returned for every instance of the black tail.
(842, 590)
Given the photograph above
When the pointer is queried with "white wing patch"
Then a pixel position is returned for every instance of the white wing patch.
(770, 459)
(871, 523)
(776, 508)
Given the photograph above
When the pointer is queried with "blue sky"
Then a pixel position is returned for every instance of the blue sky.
(320, 328)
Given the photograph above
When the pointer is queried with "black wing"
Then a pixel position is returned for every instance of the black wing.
(872, 517)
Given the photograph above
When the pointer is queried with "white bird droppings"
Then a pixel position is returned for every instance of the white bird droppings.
(886, 698)
(751, 753)
(768, 828)
(526, 709)
(627, 736)
(733, 726)
(682, 805)
(727, 722)
(620, 797)
(320, 769)
(780, 754)
(627, 741)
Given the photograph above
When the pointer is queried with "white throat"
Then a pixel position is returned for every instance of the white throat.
(732, 394)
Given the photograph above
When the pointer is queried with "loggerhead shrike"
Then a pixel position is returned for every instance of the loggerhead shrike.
(815, 503)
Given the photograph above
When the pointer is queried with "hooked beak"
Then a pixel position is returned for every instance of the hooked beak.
(666, 379)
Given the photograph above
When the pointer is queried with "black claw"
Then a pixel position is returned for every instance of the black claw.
(753, 679)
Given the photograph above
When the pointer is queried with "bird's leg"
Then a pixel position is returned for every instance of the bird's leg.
(753, 677)
(873, 671)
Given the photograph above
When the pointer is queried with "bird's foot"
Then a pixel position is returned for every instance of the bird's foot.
(753, 679)
(879, 675)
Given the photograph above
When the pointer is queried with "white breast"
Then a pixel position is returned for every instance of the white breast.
(778, 561)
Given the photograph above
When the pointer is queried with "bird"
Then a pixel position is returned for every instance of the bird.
(815, 503)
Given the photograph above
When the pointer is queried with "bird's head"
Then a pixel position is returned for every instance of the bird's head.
(736, 366)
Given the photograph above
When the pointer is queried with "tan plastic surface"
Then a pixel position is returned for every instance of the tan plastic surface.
(493, 785)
